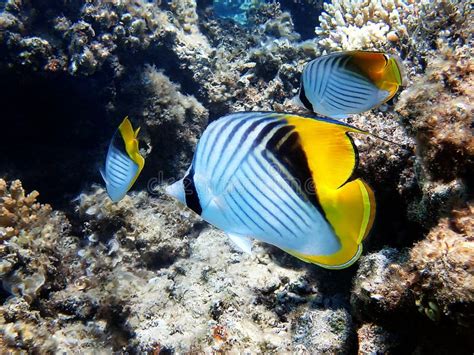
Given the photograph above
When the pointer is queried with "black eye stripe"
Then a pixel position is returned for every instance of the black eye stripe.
(304, 99)
(190, 193)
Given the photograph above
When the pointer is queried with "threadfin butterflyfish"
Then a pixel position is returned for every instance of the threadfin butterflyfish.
(344, 83)
(283, 179)
(123, 163)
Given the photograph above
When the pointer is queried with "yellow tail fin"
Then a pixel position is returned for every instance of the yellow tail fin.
(349, 206)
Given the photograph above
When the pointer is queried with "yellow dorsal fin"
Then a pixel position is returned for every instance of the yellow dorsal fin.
(348, 206)
(131, 145)
(126, 130)
(370, 64)
(385, 71)
(329, 150)
(137, 131)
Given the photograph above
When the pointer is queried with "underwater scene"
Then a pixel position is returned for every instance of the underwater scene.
(236, 177)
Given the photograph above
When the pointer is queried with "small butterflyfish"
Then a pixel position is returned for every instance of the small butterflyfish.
(284, 179)
(123, 163)
(344, 83)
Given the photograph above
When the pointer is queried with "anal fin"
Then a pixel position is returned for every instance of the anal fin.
(339, 116)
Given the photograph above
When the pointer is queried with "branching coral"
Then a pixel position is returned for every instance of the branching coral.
(29, 263)
(364, 24)
(19, 211)
(29, 232)
(408, 28)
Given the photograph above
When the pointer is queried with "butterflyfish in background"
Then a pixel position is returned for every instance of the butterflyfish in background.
(123, 163)
(283, 179)
(344, 83)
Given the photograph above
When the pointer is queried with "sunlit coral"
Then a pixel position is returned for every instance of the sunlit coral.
(363, 24)
(29, 231)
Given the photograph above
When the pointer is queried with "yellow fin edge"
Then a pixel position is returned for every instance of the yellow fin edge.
(129, 137)
(369, 212)
(317, 259)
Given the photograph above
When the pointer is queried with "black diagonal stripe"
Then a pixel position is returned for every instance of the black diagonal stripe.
(292, 156)
(237, 206)
(252, 208)
(271, 202)
(282, 188)
(243, 138)
(190, 192)
(265, 131)
(118, 142)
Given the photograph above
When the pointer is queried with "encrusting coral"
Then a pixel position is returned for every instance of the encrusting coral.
(374, 339)
(444, 268)
(443, 130)
(28, 234)
(436, 275)
(170, 121)
(145, 275)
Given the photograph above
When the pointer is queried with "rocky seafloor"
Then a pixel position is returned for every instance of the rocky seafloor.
(82, 274)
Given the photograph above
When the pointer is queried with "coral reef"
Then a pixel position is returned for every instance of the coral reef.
(373, 339)
(211, 297)
(29, 232)
(436, 277)
(444, 267)
(146, 274)
(443, 130)
(167, 116)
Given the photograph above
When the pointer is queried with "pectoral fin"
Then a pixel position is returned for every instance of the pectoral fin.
(102, 173)
(242, 242)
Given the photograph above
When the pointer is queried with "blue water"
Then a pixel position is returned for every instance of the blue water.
(236, 10)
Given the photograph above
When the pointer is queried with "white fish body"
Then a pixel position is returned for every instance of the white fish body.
(345, 83)
(240, 183)
(123, 163)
